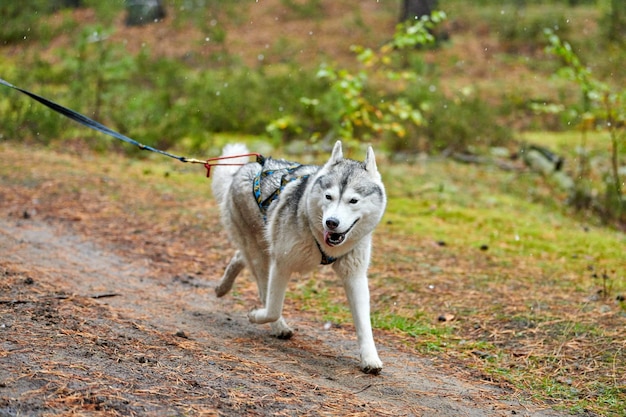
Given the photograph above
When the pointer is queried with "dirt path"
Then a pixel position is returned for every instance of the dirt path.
(84, 330)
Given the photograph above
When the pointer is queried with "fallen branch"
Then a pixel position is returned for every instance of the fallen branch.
(106, 295)
(57, 297)
(483, 160)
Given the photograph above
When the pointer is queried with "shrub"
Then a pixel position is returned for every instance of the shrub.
(523, 27)
(463, 123)
(393, 97)
(602, 107)
(21, 20)
(364, 103)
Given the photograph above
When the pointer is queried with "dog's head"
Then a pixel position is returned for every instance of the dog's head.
(347, 198)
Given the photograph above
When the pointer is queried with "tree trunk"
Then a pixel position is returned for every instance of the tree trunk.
(66, 4)
(141, 12)
(414, 9)
(617, 21)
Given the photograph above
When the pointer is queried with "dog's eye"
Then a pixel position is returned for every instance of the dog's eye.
(329, 197)
(353, 201)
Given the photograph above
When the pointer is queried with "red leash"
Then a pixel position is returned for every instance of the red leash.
(214, 162)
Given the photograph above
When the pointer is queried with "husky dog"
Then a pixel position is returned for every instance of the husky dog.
(284, 217)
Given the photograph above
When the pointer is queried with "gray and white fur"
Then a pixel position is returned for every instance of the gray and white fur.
(330, 209)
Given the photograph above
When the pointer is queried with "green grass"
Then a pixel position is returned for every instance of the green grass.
(470, 206)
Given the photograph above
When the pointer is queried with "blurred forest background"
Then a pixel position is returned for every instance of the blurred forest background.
(304, 72)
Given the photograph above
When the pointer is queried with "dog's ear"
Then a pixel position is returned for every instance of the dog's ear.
(337, 153)
(370, 161)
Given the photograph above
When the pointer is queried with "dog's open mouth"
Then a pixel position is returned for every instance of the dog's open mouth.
(334, 239)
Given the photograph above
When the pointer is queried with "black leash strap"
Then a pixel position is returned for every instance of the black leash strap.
(86, 121)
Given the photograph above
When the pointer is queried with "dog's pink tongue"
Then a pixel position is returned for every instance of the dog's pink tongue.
(326, 237)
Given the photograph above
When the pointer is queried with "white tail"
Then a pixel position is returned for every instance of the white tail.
(223, 175)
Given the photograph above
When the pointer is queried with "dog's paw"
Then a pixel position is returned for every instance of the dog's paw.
(281, 330)
(261, 316)
(372, 366)
(255, 315)
(221, 290)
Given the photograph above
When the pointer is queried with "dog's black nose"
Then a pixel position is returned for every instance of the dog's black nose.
(332, 223)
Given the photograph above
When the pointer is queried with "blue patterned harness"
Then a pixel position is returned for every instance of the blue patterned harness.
(286, 178)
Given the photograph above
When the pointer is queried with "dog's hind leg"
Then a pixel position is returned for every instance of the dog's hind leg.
(236, 264)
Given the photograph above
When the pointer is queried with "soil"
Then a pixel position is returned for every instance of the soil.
(105, 313)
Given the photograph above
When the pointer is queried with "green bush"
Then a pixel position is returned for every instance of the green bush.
(21, 20)
(157, 101)
(452, 124)
(359, 105)
(602, 107)
(393, 96)
(464, 123)
(520, 28)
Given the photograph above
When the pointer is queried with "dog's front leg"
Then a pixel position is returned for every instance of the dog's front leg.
(274, 300)
(353, 271)
(359, 299)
